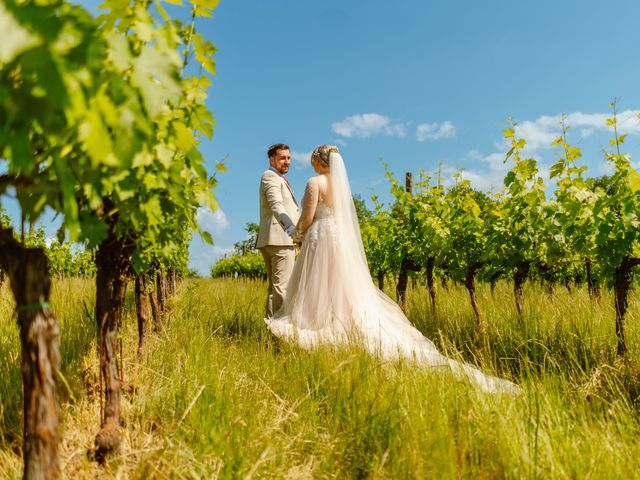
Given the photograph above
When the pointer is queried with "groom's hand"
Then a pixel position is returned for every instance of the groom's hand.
(297, 238)
(290, 229)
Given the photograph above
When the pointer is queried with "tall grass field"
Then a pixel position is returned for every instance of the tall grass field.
(215, 395)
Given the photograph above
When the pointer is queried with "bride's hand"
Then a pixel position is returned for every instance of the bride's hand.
(297, 237)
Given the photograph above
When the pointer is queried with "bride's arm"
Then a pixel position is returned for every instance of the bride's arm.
(309, 204)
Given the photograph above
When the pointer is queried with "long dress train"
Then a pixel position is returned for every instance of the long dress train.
(331, 297)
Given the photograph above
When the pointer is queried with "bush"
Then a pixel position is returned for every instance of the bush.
(250, 265)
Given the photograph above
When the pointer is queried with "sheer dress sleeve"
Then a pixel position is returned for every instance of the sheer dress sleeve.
(309, 204)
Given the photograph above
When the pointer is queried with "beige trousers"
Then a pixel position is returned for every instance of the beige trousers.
(279, 261)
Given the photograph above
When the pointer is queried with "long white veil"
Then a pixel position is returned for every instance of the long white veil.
(378, 320)
(357, 302)
(352, 258)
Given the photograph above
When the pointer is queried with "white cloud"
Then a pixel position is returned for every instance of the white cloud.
(486, 181)
(586, 132)
(213, 222)
(488, 171)
(300, 160)
(494, 161)
(435, 131)
(366, 125)
(541, 132)
(538, 134)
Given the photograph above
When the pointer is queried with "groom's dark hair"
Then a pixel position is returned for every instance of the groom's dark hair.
(273, 149)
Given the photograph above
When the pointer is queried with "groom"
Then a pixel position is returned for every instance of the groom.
(279, 214)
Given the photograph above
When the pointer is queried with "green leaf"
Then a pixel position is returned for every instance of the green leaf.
(157, 77)
(16, 39)
(206, 236)
(119, 50)
(94, 230)
(96, 139)
(165, 155)
(184, 137)
(510, 178)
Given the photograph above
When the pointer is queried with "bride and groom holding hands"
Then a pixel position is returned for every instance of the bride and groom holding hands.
(326, 295)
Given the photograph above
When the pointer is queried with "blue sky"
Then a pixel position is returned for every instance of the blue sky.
(413, 82)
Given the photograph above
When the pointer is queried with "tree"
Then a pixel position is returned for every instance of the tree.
(518, 218)
(248, 245)
(372, 229)
(99, 123)
(467, 248)
(617, 225)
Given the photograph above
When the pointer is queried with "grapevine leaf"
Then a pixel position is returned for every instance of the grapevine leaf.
(16, 39)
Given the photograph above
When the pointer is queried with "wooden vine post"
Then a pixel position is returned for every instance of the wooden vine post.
(28, 274)
(113, 260)
(403, 275)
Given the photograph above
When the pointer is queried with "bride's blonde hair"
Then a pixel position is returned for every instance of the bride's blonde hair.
(322, 153)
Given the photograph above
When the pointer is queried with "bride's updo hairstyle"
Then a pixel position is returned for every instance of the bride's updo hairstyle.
(322, 153)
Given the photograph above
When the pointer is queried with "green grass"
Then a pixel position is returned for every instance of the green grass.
(215, 395)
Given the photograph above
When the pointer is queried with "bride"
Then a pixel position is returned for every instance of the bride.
(331, 297)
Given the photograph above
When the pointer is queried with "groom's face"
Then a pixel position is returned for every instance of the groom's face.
(281, 161)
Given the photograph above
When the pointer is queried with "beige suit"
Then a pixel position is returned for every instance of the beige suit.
(279, 213)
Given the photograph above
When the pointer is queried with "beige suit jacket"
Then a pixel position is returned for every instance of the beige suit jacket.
(278, 210)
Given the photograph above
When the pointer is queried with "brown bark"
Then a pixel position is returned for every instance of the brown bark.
(551, 286)
(592, 284)
(165, 286)
(623, 278)
(30, 282)
(161, 290)
(143, 311)
(381, 279)
(547, 276)
(406, 266)
(493, 280)
(403, 275)
(112, 261)
(431, 282)
(518, 285)
(173, 281)
(567, 285)
(168, 283)
(401, 287)
(470, 284)
(155, 307)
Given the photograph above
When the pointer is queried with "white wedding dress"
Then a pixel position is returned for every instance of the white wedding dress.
(331, 297)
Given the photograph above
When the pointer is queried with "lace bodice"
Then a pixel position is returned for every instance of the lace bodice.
(323, 219)
(314, 206)
(323, 211)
